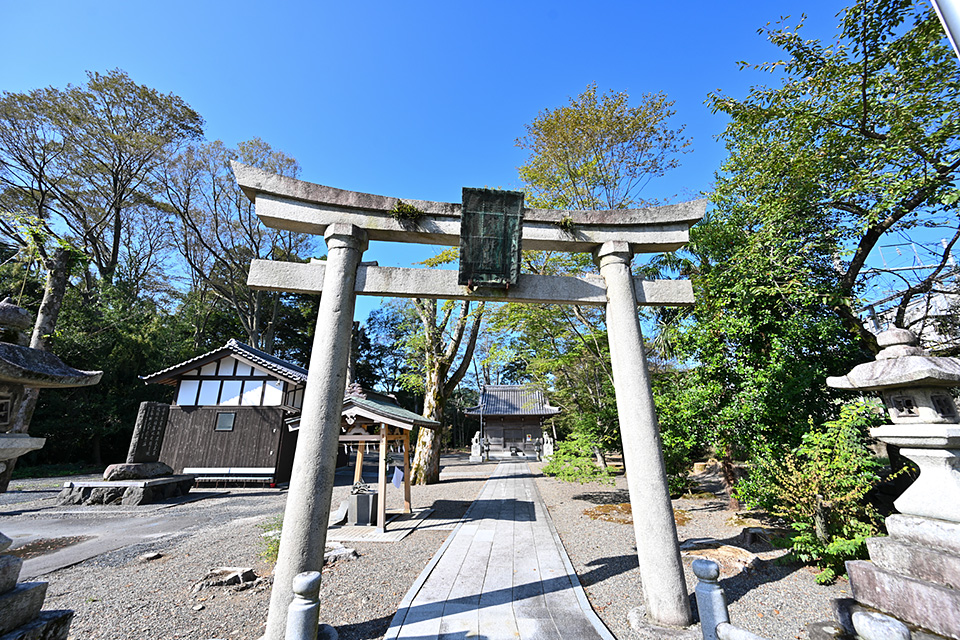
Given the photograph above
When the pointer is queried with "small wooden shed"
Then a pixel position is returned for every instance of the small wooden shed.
(512, 417)
(370, 417)
(231, 411)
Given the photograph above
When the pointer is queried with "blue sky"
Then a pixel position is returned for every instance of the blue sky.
(408, 99)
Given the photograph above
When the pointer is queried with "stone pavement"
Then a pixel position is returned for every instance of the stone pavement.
(503, 573)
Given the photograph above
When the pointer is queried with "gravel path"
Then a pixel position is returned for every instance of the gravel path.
(118, 596)
(775, 601)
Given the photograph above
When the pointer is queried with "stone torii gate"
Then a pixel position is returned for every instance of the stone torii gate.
(347, 220)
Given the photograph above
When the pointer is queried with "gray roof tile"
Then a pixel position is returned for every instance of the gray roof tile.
(512, 400)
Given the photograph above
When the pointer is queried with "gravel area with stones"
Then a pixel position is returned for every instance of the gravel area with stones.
(775, 600)
(119, 595)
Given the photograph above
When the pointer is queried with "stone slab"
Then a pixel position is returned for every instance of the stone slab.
(22, 604)
(913, 601)
(125, 492)
(129, 483)
(9, 572)
(927, 532)
(922, 563)
(49, 625)
(276, 275)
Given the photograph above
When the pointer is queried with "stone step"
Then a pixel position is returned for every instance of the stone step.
(914, 601)
(930, 565)
(9, 572)
(926, 532)
(49, 625)
(20, 605)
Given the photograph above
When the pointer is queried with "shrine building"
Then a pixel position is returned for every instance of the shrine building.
(512, 417)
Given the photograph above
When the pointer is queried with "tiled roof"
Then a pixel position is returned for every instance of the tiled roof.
(272, 364)
(512, 400)
(390, 409)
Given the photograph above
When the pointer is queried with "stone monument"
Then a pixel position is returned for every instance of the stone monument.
(476, 449)
(914, 574)
(548, 444)
(142, 479)
(22, 367)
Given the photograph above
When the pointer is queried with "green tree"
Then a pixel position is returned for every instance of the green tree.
(448, 333)
(819, 488)
(217, 233)
(756, 348)
(861, 134)
(859, 141)
(597, 152)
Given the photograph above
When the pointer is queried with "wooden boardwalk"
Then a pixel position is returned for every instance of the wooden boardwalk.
(502, 574)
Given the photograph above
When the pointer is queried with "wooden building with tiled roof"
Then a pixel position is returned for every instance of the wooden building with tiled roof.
(512, 417)
(231, 412)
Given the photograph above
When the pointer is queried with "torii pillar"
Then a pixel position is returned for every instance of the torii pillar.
(314, 463)
(658, 556)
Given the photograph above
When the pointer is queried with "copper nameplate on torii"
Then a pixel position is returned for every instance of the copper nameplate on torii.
(490, 226)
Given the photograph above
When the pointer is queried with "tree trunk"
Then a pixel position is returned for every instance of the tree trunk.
(426, 463)
(729, 472)
(58, 272)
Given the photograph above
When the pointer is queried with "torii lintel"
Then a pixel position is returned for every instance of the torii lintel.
(305, 207)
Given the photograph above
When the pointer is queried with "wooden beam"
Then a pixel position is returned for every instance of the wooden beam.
(296, 205)
(275, 275)
(406, 473)
(382, 482)
(358, 473)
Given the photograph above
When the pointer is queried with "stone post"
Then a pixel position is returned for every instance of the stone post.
(658, 553)
(311, 482)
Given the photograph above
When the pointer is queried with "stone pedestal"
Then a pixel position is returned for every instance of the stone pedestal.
(20, 604)
(911, 576)
(362, 509)
(125, 492)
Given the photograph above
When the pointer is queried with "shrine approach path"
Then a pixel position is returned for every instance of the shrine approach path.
(502, 573)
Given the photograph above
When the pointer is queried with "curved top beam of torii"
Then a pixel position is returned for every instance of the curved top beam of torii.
(296, 205)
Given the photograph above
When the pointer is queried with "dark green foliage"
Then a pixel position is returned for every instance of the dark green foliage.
(124, 336)
(574, 461)
(819, 488)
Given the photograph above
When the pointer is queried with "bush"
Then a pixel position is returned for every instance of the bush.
(819, 488)
(573, 461)
(270, 539)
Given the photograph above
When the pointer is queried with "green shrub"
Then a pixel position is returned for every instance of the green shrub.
(573, 461)
(819, 489)
(271, 543)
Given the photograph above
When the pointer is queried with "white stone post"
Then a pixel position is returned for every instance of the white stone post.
(658, 553)
(311, 482)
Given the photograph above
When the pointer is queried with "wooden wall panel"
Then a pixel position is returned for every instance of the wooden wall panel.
(192, 441)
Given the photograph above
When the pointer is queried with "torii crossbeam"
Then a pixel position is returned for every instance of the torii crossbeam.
(347, 221)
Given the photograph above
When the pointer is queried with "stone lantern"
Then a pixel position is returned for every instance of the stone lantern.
(22, 367)
(914, 574)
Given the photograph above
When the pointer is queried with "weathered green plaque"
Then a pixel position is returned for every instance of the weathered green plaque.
(490, 224)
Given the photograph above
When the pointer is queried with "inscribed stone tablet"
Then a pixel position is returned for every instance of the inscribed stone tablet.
(490, 227)
(148, 432)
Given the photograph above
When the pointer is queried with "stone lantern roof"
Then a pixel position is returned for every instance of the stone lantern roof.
(901, 363)
(19, 364)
